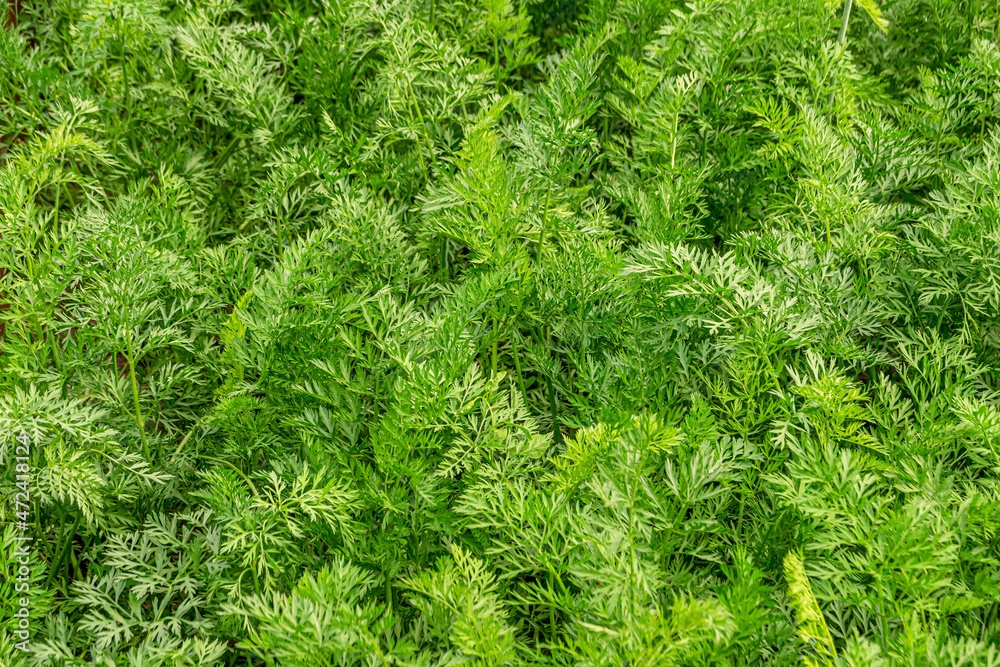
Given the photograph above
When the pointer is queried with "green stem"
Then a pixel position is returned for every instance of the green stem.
(552, 408)
(545, 213)
(444, 255)
(56, 564)
(517, 367)
(552, 610)
(281, 245)
(221, 160)
(496, 59)
(38, 529)
(496, 340)
(843, 22)
(125, 96)
(256, 580)
(55, 210)
(135, 397)
(236, 470)
(739, 523)
(40, 332)
(940, 320)
(845, 18)
(541, 229)
(673, 141)
(54, 346)
(186, 438)
(420, 117)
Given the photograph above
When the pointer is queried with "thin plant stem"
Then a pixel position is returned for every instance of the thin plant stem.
(423, 125)
(496, 340)
(56, 563)
(135, 397)
(517, 367)
(552, 407)
(844, 19)
(496, 59)
(541, 229)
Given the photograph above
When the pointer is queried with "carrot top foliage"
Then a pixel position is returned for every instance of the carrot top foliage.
(610, 333)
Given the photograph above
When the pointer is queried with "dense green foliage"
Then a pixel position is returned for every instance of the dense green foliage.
(426, 332)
